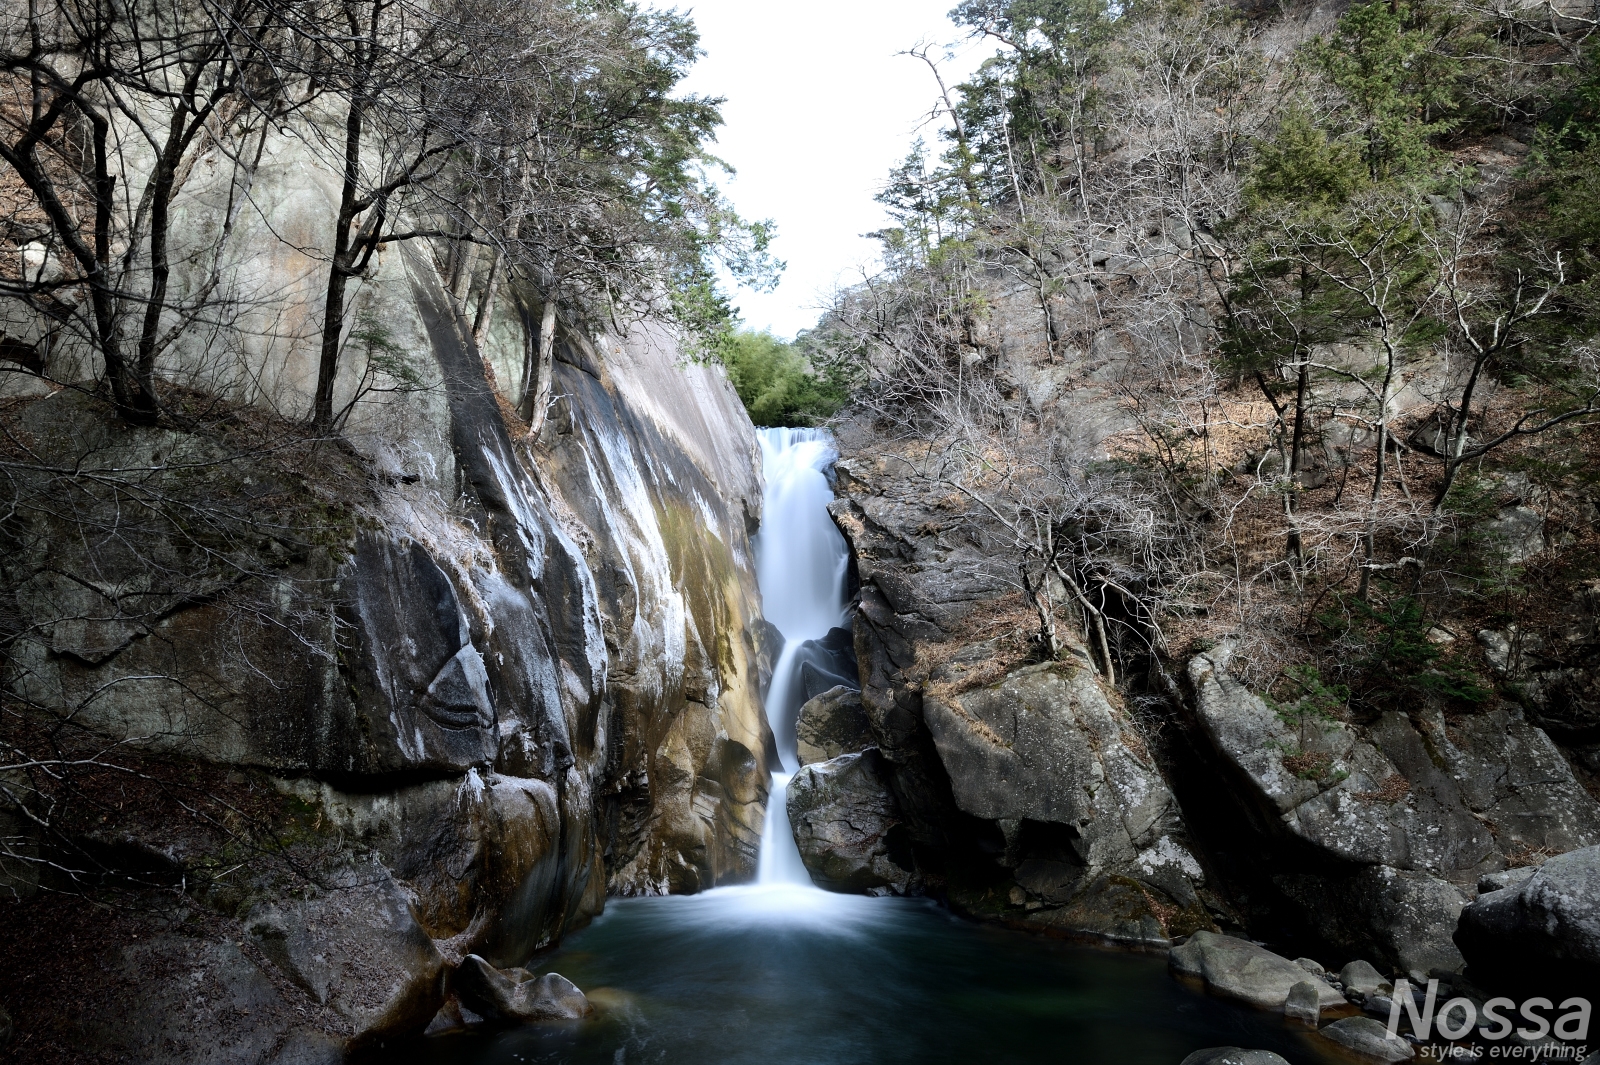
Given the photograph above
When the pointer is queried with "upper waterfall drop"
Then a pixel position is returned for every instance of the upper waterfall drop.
(802, 562)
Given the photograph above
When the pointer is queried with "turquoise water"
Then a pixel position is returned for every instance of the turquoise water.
(788, 975)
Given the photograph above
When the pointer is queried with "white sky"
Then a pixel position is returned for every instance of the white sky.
(819, 107)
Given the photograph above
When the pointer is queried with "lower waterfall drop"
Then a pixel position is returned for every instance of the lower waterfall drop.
(802, 563)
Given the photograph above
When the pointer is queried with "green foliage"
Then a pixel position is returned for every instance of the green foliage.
(1030, 109)
(1302, 165)
(1382, 60)
(1393, 656)
(1471, 553)
(649, 214)
(1314, 704)
(777, 383)
(928, 204)
(386, 360)
(1336, 220)
(1564, 178)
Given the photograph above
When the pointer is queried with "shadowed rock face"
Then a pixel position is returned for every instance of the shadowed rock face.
(1025, 792)
(1383, 845)
(1543, 933)
(525, 676)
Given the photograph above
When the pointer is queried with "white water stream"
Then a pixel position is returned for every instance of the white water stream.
(801, 564)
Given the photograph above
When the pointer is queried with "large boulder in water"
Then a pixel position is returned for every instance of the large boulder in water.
(516, 994)
(848, 826)
(1237, 969)
(832, 724)
(1545, 930)
(1369, 1039)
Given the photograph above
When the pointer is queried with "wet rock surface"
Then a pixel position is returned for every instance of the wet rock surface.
(1240, 970)
(509, 678)
(832, 724)
(518, 995)
(1233, 1056)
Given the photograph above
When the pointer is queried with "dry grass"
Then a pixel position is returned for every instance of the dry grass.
(1394, 788)
(1006, 624)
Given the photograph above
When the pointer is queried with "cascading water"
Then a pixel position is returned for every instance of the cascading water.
(801, 565)
(780, 972)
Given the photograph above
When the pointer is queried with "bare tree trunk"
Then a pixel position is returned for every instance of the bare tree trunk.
(491, 289)
(1370, 538)
(1296, 459)
(338, 275)
(538, 395)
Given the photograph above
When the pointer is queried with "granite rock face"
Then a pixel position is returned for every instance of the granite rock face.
(1381, 830)
(1032, 795)
(504, 678)
(1043, 748)
(848, 826)
(1026, 792)
(1544, 931)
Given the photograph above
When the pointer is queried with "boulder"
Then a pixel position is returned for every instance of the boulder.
(1368, 1038)
(1233, 1056)
(1086, 822)
(848, 827)
(358, 950)
(1363, 978)
(1545, 930)
(1304, 1003)
(517, 994)
(1237, 969)
(1311, 965)
(832, 724)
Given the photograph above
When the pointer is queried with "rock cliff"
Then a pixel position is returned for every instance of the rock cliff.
(428, 693)
(1024, 792)
(1037, 793)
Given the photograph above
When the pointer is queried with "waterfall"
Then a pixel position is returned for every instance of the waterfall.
(801, 564)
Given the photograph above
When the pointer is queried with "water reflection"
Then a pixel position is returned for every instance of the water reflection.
(785, 975)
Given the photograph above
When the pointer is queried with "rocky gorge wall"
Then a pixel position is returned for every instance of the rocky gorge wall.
(498, 681)
(1035, 794)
